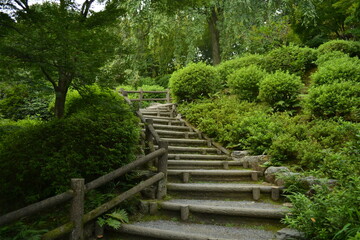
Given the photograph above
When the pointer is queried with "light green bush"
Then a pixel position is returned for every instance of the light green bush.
(350, 47)
(244, 83)
(195, 81)
(226, 68)
(280, 90)
(329, 56)
(293, 59)
(337, 70)
(334, 100)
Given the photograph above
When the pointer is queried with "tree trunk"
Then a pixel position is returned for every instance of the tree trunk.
(60, 102)
(214, 32)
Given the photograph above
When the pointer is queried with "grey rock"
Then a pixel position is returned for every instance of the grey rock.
(272, 173)
(289, 234)
(144, 207)
(239, 154)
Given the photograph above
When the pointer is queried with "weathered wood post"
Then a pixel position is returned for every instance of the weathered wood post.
(148, 135)
(168, 95)
(77, 208)
(162, 167)
(141, 96)
(123, 92)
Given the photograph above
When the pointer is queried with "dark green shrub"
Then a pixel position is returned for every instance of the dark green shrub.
(329, 56)
(195, 81)
(228, 67)
(99, 134)
(294, 59)
(163, 80)
(280, 90)
(337, 70)
(350, 47)
(244, 83)
(19, 102)
(335, 100)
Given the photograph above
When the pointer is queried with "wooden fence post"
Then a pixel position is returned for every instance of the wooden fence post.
(168, 95)
(149, 137)
(141, 96)
(123, 92)
(162, 167)
(77, 208)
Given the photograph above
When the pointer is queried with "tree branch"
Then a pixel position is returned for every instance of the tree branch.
(86, 7)
(48, 77)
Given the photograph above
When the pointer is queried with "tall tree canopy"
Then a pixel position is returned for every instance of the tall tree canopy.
(61, 41)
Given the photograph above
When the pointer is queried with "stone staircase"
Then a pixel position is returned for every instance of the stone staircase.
(211, 195)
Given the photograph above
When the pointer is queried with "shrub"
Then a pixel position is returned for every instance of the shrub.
(294, 59)
(350, 47)
(280, 90)
(329, 56)
(197, 80)
(163, 80)
(334, 100)
(228, 67)
(337, 70)
(98, 134)
(245, 82)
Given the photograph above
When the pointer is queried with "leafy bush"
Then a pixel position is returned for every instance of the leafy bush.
(226, 68)
(98, 134)
(280, 90)
(334, 100)
(19, 101)
(163, 80)
(195, 81)
(337, 70)
(294, 59)
(329, 56)
(350, 47)
(245, 82)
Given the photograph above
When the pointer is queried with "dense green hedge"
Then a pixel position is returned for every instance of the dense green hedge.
(244, 83)
(99, 133)
(280, 90)
(195, 81)
(350, 47)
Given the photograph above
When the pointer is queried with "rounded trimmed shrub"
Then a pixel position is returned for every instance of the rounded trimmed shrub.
(337, 70)
(245, 82)
(280, 90)
(329, 56)
(294, 59)
(350, 47)
(195, 81)
(228, 67)
(335, 100)
(99, 134)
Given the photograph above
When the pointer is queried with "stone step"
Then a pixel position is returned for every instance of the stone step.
(202, 150)
(162, 229)
(167, 133)
(186, 142)
(172, 128)
(157, 113)
(191, 164)
(176, 122)
(247, 209)
(178, 156)
(146, 116)
(186, 175)
(227, 190)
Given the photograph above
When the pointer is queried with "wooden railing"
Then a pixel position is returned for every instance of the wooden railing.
(78, 190)
(141, 93)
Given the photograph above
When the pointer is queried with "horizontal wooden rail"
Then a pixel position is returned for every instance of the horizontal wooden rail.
(66, 228)
(123, 170)
(36, 207)
(132, 91)
(149, 99)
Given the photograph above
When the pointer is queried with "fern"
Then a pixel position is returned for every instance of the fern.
(114, 219)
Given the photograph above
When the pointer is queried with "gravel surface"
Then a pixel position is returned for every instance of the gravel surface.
(210, 230)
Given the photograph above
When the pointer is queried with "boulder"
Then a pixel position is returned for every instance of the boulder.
(289, 234)
(239, 154)
(271, 174)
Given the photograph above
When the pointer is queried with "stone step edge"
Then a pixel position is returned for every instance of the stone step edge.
(164, 234)
(185, 209)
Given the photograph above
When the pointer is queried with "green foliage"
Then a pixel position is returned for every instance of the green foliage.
(293, 59)
(20, 101)
(280, 90)
(349, 47)
(329, 56)
(335, 100)
(20, 231)
(337, 70)
(226, 68)
(99, 134)
(244, 83)
(114, 219)
(195, 81)
(328, 214)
